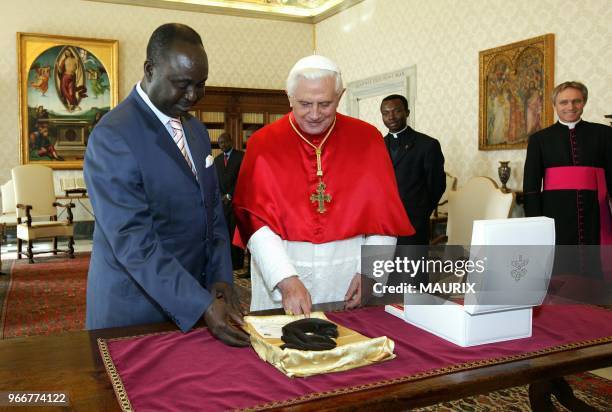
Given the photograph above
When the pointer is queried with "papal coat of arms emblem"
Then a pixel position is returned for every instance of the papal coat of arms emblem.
(519, 267)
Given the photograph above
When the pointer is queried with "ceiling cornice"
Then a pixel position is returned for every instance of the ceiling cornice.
(232, 10)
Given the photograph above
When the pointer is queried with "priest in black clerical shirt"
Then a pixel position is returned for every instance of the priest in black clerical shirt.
(568, 172)
(419, 167)
(228, 166)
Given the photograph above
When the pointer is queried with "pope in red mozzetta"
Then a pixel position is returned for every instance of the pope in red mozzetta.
(313, 188)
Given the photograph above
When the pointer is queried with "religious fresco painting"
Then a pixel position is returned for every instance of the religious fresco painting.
(66, 85)
(515, 87)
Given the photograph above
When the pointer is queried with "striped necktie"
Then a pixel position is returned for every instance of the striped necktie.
(179, 139)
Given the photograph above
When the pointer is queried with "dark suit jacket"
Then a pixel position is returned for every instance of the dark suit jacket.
(228, 175)
(160, 239)
(419, 171)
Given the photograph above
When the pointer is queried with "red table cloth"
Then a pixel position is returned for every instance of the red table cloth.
(172, 371)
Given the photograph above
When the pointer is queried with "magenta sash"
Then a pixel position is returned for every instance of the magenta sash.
(584, 178)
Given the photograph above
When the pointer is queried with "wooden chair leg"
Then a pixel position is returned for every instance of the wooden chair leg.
(71, 247)
(19, 247)
(55, 246)
(30, 252)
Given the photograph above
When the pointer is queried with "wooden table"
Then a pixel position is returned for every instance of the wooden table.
(71, 363)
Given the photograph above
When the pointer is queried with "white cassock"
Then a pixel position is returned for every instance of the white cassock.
(325, 269)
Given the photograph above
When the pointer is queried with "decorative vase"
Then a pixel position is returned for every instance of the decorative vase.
(504, 174)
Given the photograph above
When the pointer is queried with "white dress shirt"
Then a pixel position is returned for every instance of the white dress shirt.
(163, 118)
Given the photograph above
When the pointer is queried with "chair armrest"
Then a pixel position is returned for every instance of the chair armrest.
(27, 209)
(435, 212)
(68, 207)
(438, 240)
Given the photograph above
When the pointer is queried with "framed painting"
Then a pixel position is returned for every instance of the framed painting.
(66, 85)
(515, 87)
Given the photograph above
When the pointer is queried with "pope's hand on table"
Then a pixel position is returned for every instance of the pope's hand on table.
(352, 299)
(296, 298)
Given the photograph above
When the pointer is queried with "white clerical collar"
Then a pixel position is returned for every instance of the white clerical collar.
(571, 125)
(395, 134)
(164, 118)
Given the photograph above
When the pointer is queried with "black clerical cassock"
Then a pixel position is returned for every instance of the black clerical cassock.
(580, 215)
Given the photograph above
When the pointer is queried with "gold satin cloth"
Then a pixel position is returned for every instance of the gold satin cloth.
(353, 350)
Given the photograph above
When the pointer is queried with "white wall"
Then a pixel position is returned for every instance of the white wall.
(443, 38)
(242, 52)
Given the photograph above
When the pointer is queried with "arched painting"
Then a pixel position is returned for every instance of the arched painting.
(66, 86)
(515, 86)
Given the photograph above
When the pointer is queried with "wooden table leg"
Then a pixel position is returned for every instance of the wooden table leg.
(540, 396)
(565, 395)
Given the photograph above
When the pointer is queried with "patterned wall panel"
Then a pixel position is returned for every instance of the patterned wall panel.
(242, 52)
(443, 38)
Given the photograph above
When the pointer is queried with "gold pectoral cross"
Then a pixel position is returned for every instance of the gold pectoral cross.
(321, 197)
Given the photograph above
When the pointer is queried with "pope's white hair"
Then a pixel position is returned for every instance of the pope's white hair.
(311, 74)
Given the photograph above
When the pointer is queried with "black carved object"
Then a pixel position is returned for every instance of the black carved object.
(310, 334)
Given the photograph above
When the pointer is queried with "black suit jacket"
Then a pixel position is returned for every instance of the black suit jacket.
(228, 175)
(419, 171)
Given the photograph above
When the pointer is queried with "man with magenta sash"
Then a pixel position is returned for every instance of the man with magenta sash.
(568, 172)
(567, 177)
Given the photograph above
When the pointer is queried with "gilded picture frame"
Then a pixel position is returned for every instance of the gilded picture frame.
(66, 84)
(515, 86)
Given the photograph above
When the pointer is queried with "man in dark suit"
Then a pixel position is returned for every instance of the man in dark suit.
(419, 167)
(160, 248)
(228, 165)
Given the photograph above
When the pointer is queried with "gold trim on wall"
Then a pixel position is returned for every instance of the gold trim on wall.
(68, 126)
(515, 90)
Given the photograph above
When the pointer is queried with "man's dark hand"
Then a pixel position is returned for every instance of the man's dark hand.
(226, 291)
(224, 311)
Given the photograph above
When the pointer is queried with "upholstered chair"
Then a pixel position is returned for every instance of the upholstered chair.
(440, 213)
(8, 215)
(36, 208)
(479, 199)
